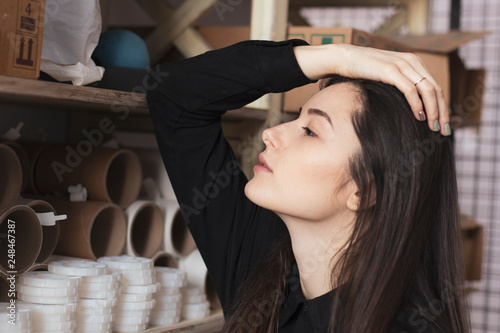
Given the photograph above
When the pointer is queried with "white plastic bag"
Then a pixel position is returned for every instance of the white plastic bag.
(71, 33)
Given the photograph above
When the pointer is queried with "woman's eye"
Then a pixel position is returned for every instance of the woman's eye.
(308, 132)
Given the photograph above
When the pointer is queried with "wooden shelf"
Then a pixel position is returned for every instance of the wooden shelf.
(213, 323)
(43, 93)
(25, 91)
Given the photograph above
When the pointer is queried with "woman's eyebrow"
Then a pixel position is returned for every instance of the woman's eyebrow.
(318, 112)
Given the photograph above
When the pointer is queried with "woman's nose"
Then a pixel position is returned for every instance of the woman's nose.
(273, 136)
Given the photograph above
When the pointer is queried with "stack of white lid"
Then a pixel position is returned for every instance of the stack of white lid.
(138, 284)
(15, 318)
(91, 289)
(194, 303)
(52, 299)
(169, 298)
(98, 296)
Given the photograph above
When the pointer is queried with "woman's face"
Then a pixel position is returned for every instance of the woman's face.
(305, 163)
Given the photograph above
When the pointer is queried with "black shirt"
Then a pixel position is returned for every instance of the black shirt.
(186, 101)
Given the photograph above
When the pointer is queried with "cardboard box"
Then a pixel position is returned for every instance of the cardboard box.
(21, 35)
(462, 88)
(472, 234)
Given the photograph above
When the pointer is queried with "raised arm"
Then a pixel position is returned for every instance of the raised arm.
(186, 108)
(403, 70)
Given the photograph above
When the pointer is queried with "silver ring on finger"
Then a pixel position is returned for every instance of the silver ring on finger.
(419, 80)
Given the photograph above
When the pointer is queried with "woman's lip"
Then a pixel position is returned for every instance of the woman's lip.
(263, 166)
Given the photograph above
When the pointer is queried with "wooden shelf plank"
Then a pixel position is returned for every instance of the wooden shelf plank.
(213, 323)
(25, 91)
(341, 3)
(43, 93)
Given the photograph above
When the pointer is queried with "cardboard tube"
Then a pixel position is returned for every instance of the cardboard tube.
(11, 177)
(33, 151)
(110, 175)
(153, 167)
(4, 288)
(23, 159)
(38, 267)
(28, 238)
(196, 270)
(165, 259)
(145, 224)
(93, 229)
(50, 234)
(178, 239)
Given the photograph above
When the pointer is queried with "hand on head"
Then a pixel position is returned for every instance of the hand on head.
(405, 71)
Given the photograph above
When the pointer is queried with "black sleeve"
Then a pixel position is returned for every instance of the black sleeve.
(186, 108)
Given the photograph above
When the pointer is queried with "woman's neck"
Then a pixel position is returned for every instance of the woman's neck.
(315, 245)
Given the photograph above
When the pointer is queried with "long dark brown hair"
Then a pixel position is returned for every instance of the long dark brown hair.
(404, 255)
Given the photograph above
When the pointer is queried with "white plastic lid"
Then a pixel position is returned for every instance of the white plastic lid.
(143, 289)
(172, 283)
(168, 291)
(127, 262)
(21, 311)
(135, 297)
(147, 305)
(106, 278)
(94, 311)
(196, 306)
(157, 321)
(49, 280)
(99, 286)
(168, 298)
(131, 320)
(96, 303)
(19, 326)
(94, 326)
(188, 299)
(195, 314)
(167, 306)
(47, 292)
(137, 281)
(63, 326)
(52, 309)
(134, 313)
(77, 267)
(135, 273)
(46, 300)
(191, 291)
(166, 313)
(99, 294)
(37, 317)
(170, 273)
(94, 319)
(129, 328)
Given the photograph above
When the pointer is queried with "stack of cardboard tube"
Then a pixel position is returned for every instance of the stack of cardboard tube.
(115, 218)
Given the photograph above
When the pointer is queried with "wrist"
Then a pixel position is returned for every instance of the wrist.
(319, 61)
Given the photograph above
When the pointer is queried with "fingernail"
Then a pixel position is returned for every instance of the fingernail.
(447, 129)
(421, 114)
(436, 126)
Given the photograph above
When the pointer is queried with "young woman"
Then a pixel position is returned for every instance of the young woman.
(350, 223)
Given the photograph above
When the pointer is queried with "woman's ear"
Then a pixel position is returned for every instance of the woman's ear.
(354, 201)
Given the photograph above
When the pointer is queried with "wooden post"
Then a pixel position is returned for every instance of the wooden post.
(268, 22)
(161, 40)
(190, 43)
(418, 16)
